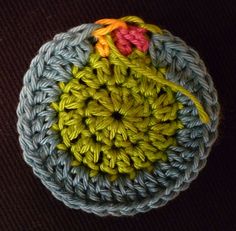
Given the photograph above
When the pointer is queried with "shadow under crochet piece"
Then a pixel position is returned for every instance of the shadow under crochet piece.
(117, 117)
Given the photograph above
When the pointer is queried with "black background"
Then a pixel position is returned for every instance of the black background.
(208, 26)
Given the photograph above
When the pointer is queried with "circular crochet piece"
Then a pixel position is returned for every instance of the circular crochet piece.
(117, 117)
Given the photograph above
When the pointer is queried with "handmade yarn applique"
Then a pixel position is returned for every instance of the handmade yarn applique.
(117, 117)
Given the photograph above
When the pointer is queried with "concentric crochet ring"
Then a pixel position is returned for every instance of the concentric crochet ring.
(117, 117)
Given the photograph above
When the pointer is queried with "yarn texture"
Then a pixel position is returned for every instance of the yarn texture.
(117, 117)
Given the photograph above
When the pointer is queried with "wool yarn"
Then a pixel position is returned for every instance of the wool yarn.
(117, 117)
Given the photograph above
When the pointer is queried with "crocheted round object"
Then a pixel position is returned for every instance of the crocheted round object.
(117, 116)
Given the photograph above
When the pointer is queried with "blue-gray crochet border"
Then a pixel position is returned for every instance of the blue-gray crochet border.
(98, 195)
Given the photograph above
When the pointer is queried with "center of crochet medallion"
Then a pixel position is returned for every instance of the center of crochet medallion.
(114, 120)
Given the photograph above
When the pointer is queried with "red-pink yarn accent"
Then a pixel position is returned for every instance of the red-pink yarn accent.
(125, 39)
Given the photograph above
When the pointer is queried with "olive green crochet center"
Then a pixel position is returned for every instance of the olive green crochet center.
(113, 120)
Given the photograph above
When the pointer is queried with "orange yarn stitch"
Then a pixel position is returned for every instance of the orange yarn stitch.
(102, 45)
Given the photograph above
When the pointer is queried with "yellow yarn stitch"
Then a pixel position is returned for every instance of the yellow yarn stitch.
(138, 21)
(114, 119)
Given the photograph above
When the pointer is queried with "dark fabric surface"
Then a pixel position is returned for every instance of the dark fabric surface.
(208, 26)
